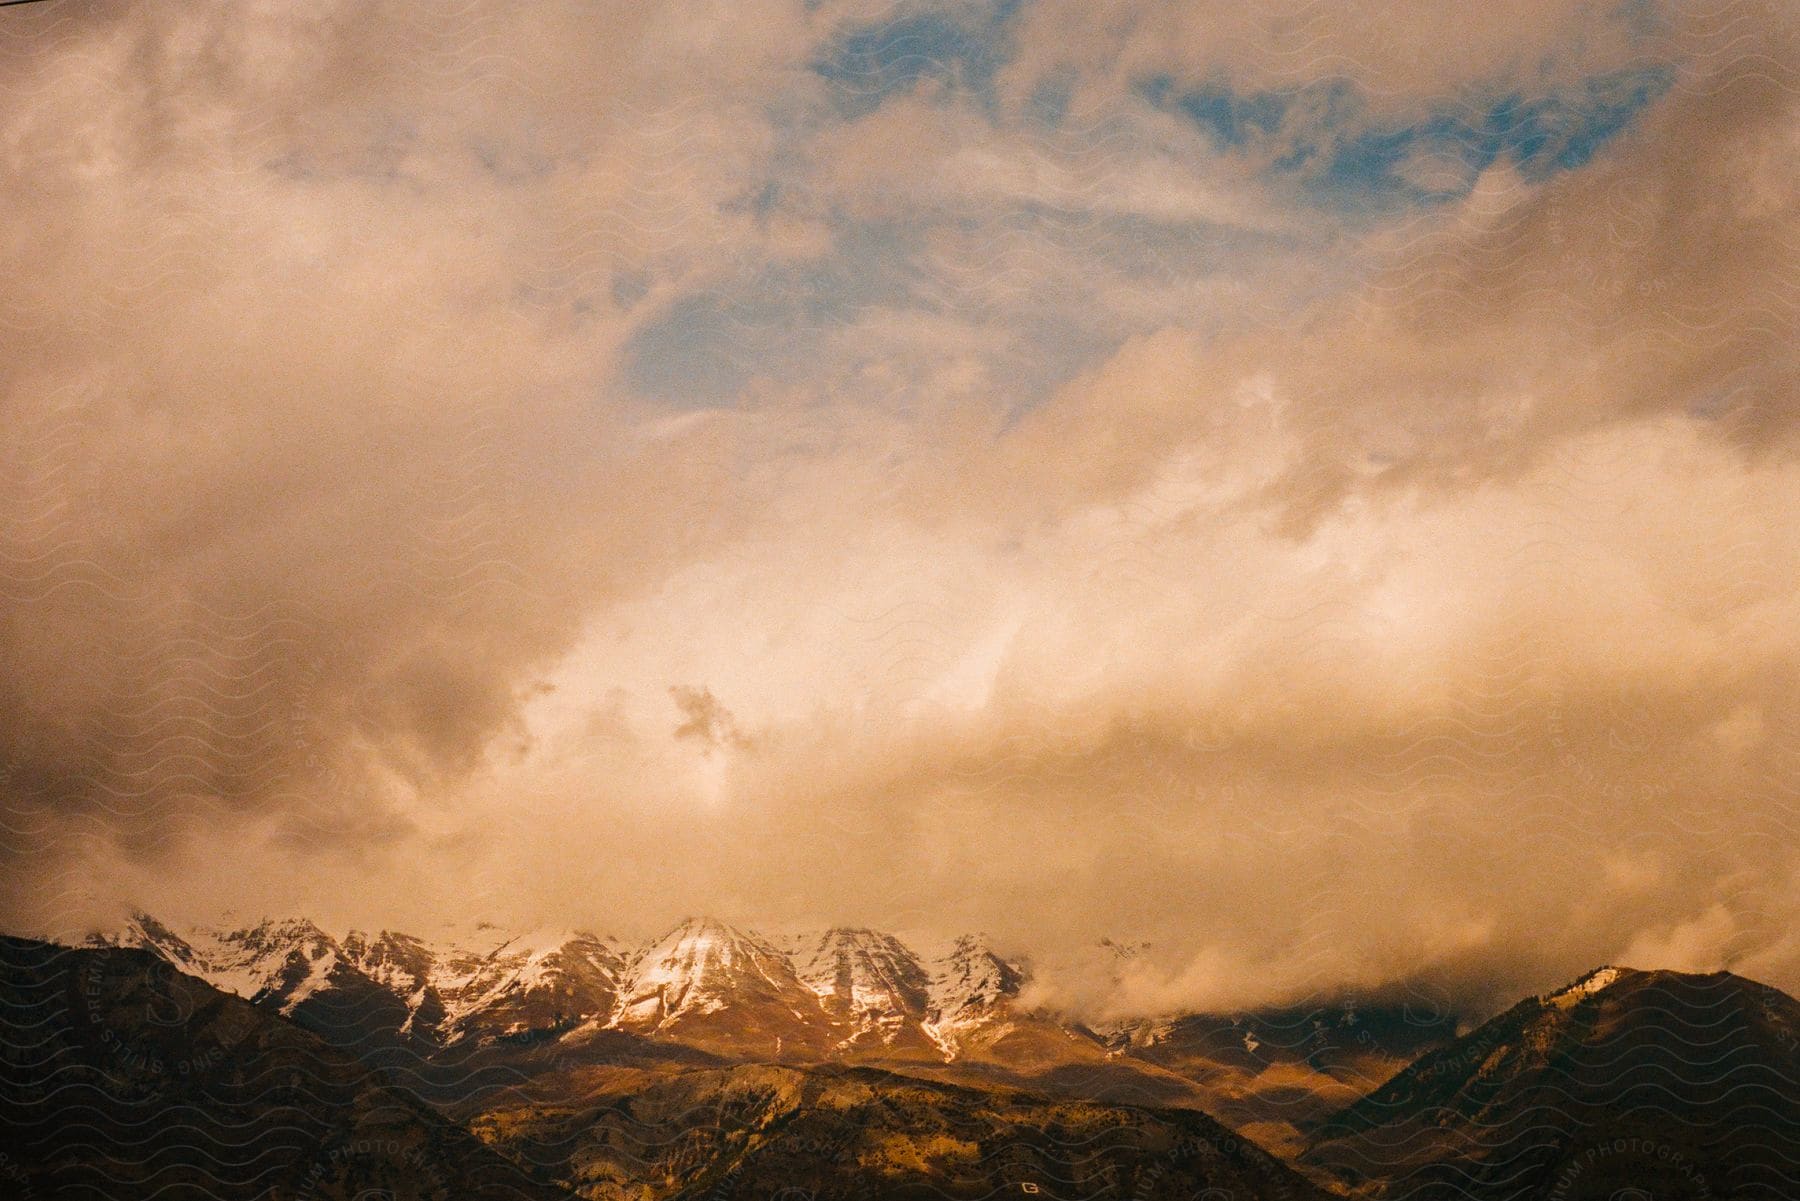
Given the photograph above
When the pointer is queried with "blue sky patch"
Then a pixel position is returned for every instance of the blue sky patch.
(1321, 137)
(960, 49)
(705, 346)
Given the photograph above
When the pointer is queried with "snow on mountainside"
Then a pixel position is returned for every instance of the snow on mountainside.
(292, 959)
(969, 981)
(545, 979)
(971, 987)
(286, 961)
(481, 983)
(142, 930)
(720, 985)
(704, 982)
(1583, 988)
(869, 981)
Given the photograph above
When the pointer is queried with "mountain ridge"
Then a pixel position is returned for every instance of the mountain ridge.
(1689, 1081)
(472, 1010)
(130, 1078)
(1387, 1102)
(143, 1080)
(833, 990)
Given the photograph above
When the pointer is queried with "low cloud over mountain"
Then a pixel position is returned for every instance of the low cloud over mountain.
(1209, 473)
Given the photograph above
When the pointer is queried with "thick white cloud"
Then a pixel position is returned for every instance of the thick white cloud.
(1382, 601)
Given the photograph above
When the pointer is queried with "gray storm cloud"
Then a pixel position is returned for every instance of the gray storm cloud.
(1368, 598)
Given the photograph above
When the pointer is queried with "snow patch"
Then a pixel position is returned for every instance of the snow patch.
(1582, 989)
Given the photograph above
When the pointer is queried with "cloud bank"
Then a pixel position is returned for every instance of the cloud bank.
(1196, 474)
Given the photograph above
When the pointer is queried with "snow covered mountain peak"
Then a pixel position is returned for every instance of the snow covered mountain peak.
(971, 987)
(704, 930)
(865, 978)
(704, 944)
(706, 982)
(288, 959)
(698, 968)
(972, 978)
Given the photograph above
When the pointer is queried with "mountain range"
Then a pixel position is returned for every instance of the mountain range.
(713, 1061)
(461, 1011)
(704, 983)
(129, 1078)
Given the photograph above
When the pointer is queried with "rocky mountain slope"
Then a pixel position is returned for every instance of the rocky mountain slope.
(775, 1131)
(713, 1062)
(132, 1078)
(471, 1009)
(1676, 1086)
(128, 1079)
(838, 993)
(1277, 1072)
(870, 984)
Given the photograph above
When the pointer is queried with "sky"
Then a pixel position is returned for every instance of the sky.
(1307, 486)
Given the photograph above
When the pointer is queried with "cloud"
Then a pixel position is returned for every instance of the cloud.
(310, 378)
(1698, 945)
(1090, 534)
(1399, 55)
(705, 720)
